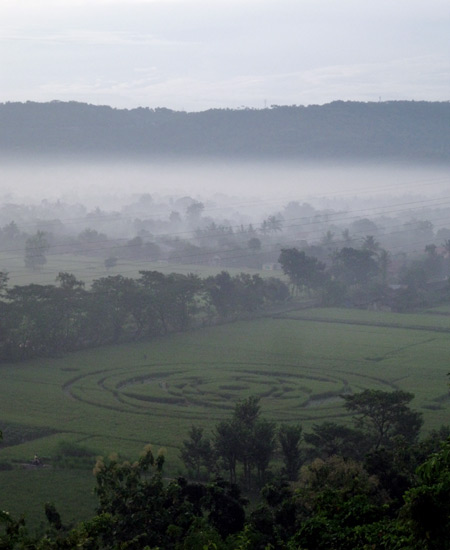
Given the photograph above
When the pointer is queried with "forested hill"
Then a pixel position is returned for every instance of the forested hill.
(394, 130)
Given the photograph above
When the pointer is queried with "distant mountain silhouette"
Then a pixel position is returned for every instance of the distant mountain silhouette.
(394, 130)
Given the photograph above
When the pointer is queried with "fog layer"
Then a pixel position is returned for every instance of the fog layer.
(108, 185)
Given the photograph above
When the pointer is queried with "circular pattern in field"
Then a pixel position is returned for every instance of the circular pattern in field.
(187, 390)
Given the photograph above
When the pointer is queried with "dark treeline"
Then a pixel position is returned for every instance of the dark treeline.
(371, 486)
(42, 320)
(389, 130)
(360, 277)
(249, 449)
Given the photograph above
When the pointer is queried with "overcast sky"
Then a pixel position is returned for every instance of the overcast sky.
(200, 54)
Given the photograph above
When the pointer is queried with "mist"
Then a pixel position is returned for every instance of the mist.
(221, 214)
(109, 185)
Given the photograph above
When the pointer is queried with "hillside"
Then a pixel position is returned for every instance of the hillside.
(396, 130)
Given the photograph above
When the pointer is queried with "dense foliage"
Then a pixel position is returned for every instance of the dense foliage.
(358, 277)
(338, 502)
(42, 320)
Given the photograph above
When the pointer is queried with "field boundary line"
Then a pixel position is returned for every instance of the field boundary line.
(365, 323)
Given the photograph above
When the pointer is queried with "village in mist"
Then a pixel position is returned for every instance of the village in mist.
(222, 214)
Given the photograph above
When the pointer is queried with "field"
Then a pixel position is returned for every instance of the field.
(89, 268)
(118, 399)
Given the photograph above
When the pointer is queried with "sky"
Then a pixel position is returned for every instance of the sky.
(195, 55)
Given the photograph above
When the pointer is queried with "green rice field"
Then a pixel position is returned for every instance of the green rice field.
(89, 268)
(117, 399)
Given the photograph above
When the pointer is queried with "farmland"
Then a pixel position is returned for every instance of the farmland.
(117, 399)
(89, 268)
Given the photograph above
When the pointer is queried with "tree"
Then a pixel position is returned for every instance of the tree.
(254, 244)
(197, 451)
(303, 271)
(245, 438)
(339, 506)
(364, 226)
(221, 292)
(275, 290)
(246, 413)
(433, 261)
(249, 293)
(384, 260)
(111, 301)
(45, 319)
(290, 438)
(346, 237)
(273, 224)
(194, 212)
(328, 240)
(3, 282)
(69, 305)
(385, 415)
(139, 510)
(329, 439)
(225, 508)
(263, 444)
(353, 266)
(35, 249)
(110, 262)
(3, 311)
(369, 243)
(427, 506)
(446, 246)
(226, 445)
(11, 232)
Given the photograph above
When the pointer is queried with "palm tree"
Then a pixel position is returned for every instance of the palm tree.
(384, 260)
(328, 239)
(369, 243)
(271, 225)
(346, 237)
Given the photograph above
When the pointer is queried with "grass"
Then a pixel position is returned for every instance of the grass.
(428, 320)
(440, 310)
(89, 268)
(121, 398)
(24, 492)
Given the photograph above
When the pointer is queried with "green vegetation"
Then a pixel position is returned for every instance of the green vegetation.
(337, 503)
(119, 398)
(89, 268)
(45, 320)
(426, 321)
(26, 489)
